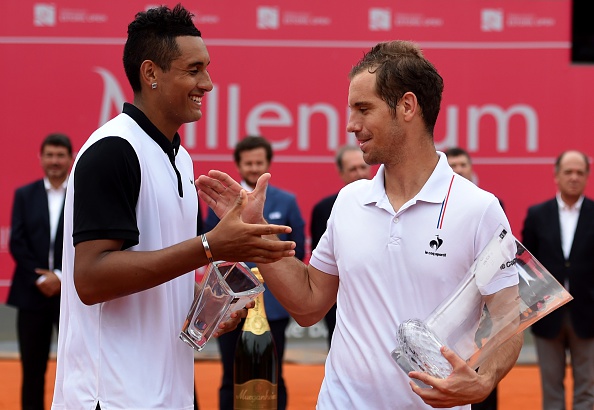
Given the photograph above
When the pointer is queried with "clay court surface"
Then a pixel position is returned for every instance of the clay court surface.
(520, 390)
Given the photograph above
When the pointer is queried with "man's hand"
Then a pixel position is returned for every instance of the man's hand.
(234, 240)
(50, 285)
(462, 386)
(220, 192)
(234, 320)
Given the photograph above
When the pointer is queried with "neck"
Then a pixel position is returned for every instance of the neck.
(56, 182)
(570, 200)
(156, 117)
(405, 179)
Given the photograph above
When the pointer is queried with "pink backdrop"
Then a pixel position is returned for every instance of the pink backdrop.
(512, 96)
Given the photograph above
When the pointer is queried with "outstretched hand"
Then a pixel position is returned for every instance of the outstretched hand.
(234, 240)
(462, 386)
(220, 192)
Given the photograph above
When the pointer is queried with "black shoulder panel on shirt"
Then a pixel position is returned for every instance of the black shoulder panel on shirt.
(106, 190)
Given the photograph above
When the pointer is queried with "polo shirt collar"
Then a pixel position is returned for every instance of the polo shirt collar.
(434, 190)
(170, 148)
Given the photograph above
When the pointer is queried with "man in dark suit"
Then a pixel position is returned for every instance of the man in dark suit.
(253, 156)
(560, 234)
(351, 167)
(36, 247)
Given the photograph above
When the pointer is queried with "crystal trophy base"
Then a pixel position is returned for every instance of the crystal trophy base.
(419, 350)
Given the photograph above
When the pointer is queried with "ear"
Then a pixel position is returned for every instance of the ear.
(148, 73)
(411, 106)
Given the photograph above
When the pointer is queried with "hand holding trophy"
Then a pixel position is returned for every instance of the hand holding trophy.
(474, 323)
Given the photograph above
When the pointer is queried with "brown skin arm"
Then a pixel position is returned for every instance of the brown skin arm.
(102, 271)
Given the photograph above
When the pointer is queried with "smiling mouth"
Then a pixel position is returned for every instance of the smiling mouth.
(197, 100)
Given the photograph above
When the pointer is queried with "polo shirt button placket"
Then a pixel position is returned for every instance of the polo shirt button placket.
(395, 232)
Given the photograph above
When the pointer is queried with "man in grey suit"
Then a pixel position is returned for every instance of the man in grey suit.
(560, 234)
(36, 247)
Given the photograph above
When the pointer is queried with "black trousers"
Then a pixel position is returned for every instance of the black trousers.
(34, 332)
(227, 343)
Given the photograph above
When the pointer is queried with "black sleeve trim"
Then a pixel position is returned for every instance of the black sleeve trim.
(106, 190)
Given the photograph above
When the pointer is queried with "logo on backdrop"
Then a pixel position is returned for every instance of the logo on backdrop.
(268, 18)
(47, 15)
(380, 19)
(271, 18)
(44, 15)
(492, 20)
(497, 20)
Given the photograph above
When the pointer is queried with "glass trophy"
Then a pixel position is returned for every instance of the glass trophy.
(226, 287)
(474, 324)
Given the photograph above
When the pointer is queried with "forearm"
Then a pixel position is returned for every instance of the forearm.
(102, 271)
(305, 292)
(288, 281)
(503, 360)
(100, 276)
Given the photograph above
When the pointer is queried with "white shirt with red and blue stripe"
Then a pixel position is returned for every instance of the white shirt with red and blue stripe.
(393, 266)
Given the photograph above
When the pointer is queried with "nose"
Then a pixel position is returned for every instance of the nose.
(352, 125)
(205, 82)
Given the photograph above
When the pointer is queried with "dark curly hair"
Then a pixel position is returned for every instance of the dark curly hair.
(152, 36)
(400, 67)
(251, 142)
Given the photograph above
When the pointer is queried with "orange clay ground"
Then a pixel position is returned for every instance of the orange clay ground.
(520, 390)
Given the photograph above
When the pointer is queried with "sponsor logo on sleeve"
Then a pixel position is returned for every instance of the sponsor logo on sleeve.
(508, 264)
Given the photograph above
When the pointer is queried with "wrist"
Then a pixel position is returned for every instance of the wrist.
(206, 247)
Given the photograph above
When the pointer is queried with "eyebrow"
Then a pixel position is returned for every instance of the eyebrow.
(359, 104)
(197, 64)
(202, 63)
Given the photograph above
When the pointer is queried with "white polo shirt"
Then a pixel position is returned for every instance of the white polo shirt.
(126, 353)
(389, 272)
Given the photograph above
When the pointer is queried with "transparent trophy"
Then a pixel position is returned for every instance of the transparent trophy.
(226, 287)
(474, 325)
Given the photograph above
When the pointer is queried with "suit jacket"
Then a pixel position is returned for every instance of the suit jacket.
(319, 218)
(541, 235)
(280, 208)
(30, 246)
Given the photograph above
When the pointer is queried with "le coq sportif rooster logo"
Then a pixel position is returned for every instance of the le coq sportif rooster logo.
(436, 243)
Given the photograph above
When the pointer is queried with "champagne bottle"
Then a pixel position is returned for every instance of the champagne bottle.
(255, 373)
